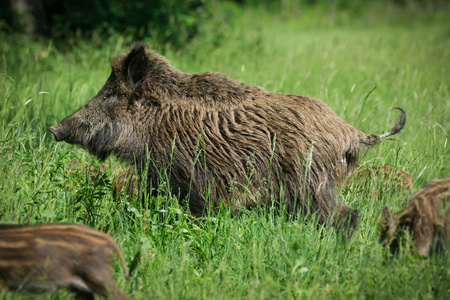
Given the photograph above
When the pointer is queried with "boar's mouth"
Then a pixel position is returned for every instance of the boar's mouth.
(98, 144)
(63, 133)
(102, 142)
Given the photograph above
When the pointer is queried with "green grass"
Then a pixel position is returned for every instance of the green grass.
(259, 254)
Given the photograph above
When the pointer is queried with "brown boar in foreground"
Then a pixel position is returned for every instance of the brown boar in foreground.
(220, 140)
(47, 257)
(427, 217)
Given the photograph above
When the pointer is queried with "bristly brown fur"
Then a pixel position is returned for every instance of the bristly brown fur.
(233, 142)
(47, 257)
(427, 217)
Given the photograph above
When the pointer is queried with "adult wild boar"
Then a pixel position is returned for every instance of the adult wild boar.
(220, 140)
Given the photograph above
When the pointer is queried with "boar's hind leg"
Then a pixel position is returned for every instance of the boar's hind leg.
(343, 218)
(348, 221)
(102, 283)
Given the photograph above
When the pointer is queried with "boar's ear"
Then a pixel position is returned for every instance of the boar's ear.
(139, 44)
(137, 63)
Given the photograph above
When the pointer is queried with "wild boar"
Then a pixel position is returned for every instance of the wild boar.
(426, 217)
(46, 257)
(218, 140)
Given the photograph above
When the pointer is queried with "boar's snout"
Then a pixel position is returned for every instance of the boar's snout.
(56, 133)
(67, 130)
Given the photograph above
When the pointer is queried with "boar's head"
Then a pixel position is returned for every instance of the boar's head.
(104, 123)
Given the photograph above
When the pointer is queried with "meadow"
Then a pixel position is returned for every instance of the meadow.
(361, 68)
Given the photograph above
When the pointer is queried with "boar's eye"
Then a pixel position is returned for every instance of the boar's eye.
(107, 96)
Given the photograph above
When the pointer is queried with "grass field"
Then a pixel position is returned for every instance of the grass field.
(260, 254)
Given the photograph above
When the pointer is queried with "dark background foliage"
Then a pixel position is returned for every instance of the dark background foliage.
(169, 23)
(166, 21)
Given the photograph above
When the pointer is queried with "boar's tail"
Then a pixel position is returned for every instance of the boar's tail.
(373, 138)
(122, 260)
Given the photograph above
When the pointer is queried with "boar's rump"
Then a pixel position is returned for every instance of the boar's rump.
(224, 141)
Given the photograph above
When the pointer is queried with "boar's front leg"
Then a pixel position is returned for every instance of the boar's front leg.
(189, 198)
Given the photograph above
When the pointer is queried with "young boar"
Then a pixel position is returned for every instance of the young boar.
(122, 179)
(388, 180)
(126, 181)
(47, 257)
(427, 217)
(220, 140)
